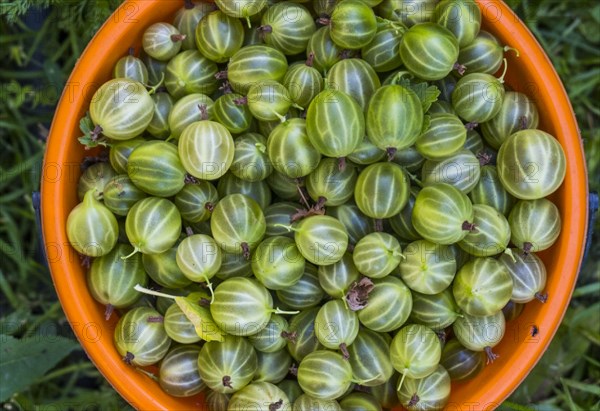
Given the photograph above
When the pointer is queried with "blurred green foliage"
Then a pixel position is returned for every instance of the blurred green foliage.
(40, 42)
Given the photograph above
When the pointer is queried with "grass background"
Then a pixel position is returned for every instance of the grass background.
(40, 42)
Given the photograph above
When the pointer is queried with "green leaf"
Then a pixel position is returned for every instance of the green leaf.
(591, 388)
(508, 405)
(15, 322)
(23, 361)
(427, 94)
(205, 326)
(568, 398)
(91, 137)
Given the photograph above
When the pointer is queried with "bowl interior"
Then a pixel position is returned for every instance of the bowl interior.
(531, 73)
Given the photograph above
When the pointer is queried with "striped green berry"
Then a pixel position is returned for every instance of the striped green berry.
(442, 214)
(178, 373)
(228, 366)
(377, 254)
(238, 223)
(482, 287)
(335, 123)
(206, 149)
(531, 164)
(491, 234)
(122, 109)
(381, 190)
(219, 36)
(428, 268)
(153, 225)
(140, 337)
(287, 27)
(92, 228)
(155, 168)
(190, 72)
(429, 51)
(535, 225)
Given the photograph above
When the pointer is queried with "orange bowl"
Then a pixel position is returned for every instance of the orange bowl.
(532, 73)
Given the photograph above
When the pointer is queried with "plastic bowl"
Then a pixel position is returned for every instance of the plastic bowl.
(531, 73)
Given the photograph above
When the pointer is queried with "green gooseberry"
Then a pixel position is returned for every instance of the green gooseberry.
(153, 225)
(92, 228)
(482, 287)
(336, 327)
(238, 223)
(227, 366)
(277, 263)
(321, 239)
(242, 306)
(428, 268)
(140, 337)
(111, 279)
(377, 254)
(95, 177)
(195, 201)
(178, 373)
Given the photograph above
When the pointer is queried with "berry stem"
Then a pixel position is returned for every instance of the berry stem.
(144, 290)
(324, 21)
(364, 382)
(344, 350)
(414, 400)
(291, 337)
(342, 164)
(310, 61)
(227, 381)
(210, 288)
(287, 227)
(484, 158)
(491, 356)
(300, 188)
(135, 251)
(508, 48)
(280, 311)
(147, 374)
(221, 75)
(85, 260)
(128, 358)
(245, 250)
(391, 153)
(460, 68)
(177, 37)
(266, 29)
(402, 379)
(274, 406)
(509, 252)
(240, 101)
(154, 88)
(542, 297)
(466, 226)
(501, 79)
(203, 112)
(108, 312)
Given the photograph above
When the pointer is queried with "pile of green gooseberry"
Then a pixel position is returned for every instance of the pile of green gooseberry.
(315, 205)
